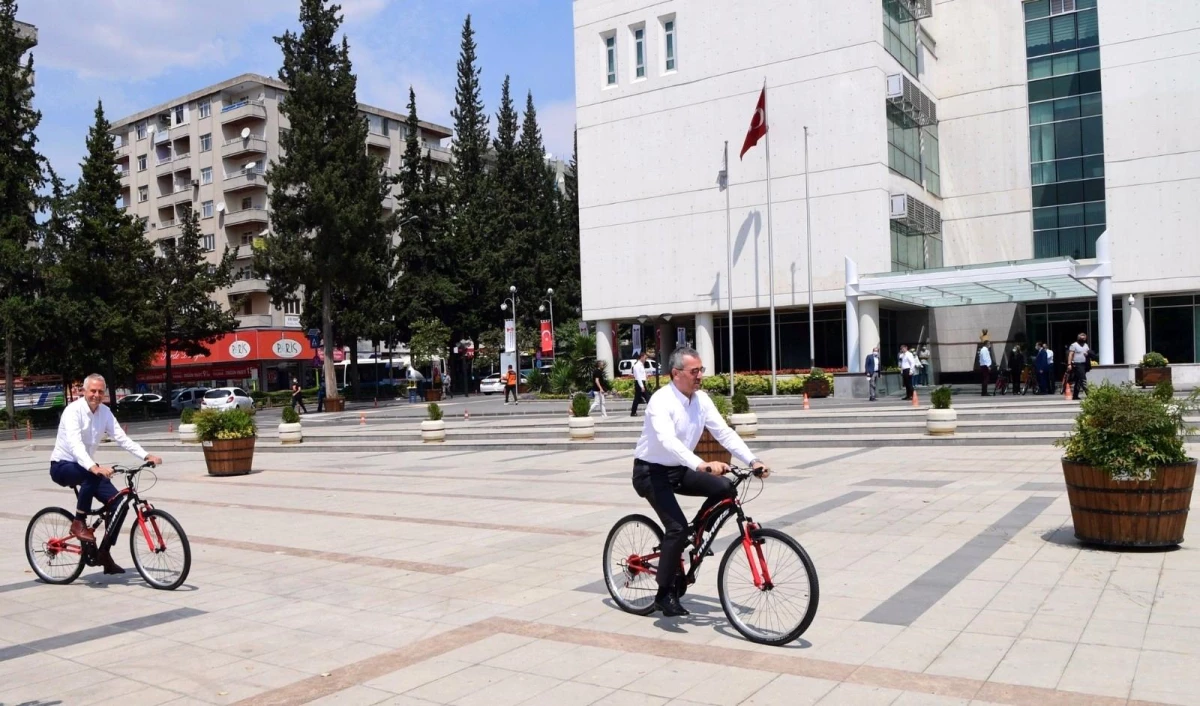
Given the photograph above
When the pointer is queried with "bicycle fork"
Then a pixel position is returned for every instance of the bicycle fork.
(755, 558)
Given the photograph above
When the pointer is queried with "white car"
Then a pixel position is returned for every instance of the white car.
(493, 383)
(625, 367)
(223, 398)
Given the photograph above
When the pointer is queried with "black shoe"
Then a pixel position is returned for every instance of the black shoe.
(670, 607)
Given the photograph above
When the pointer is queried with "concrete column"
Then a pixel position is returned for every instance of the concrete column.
(666, 336)
(1104, 303)
(854, 356)
(1133, 319)
(704, 342)
(868, 328)
(604, 344)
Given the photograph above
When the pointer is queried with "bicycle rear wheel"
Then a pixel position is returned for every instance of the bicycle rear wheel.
(165, 558)
(632, 583)
(53, 554)
(779, 611)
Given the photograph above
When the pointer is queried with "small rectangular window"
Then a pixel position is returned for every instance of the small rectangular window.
(206, 142)
(141, 130)
(206, 175)
(247, 202)
(669, 35)
(206, 209)
(143, 194)
(639, 52)
(180, 115)
(610, 55)
(141, 162)
(205, 108)
(208, 242)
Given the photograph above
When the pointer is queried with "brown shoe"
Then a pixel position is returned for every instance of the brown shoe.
(81, 531)
(110, 566)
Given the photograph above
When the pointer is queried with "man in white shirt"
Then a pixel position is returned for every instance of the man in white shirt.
(984, 359)
(83, 424)
(639, 383)
(1077, 357)
(908, 367)
(665, 463)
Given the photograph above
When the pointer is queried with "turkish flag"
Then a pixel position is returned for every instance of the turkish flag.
(547, 338)
(758, 124)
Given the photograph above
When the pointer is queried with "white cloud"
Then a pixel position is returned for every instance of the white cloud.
(557, 120)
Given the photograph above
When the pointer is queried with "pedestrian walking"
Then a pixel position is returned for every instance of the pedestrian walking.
(447, 387)
(873, 369)
(1080, 357)
(983, 358)
(639, 383)
(298, 396)
(321, 397)
(599, 385)
(510, 385)
(908, 364)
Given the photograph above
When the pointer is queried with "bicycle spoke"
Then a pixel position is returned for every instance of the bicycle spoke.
(774, 612)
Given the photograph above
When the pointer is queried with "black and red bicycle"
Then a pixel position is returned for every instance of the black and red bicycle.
(157, 543)
(766, 582)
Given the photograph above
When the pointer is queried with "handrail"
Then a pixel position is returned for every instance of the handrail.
(241, 104)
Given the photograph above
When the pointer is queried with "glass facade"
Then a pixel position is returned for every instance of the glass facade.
(914, 251)
(1066, 132)
(1173, 324)
(1058, 324)
(752, 339)
(900, 34)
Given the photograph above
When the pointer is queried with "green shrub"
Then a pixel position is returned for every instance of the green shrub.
(1154, 360)
(820, 374)
(754, 384)
(580, 405)
(790, 386)
(290, 416)
(435, 412)
(1127, 433)
(1164, 391)
(715, 383)
(741, 405)
(562, 377)
(721, 402)
(623, 387)
(212, 425)
(538, 380)
(941, 397)
(188, 415)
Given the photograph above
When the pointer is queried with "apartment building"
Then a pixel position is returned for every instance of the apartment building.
(1025, 167)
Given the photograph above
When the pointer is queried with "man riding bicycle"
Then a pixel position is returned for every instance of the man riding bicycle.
(84, 422)
(665, 463)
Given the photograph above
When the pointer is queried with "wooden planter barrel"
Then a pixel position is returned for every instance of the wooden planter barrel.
(335, 404)
(1151, 376)
(709, 449)
(228, 457)
(1128, 513)
(816, 388)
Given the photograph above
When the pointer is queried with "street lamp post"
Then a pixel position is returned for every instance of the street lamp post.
(553, 331)
(516, 340)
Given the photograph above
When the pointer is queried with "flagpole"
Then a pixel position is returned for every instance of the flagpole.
(770, 241)
(729, 268)
(812, 338)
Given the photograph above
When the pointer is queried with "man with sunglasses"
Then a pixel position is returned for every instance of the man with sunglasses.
(665, 463)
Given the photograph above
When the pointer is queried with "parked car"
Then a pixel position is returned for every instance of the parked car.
(223, 398)
(493, 383)
(138, 399)
(625, 367)
(188, 397)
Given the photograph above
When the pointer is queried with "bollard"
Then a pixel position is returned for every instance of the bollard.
(376, 403)
(362, 418)
(170, 427)
(916, 401)
(806, 400)
(28, 429)
(466, 415)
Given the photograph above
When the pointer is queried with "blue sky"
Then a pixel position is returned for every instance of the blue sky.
(133, 54)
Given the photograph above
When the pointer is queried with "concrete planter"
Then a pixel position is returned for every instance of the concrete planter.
(433, 431)
(290, 433)
(941, 422)
(746, 425)
(187, 434)
(581, 428)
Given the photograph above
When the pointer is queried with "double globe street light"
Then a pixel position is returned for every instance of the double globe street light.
(504, 307)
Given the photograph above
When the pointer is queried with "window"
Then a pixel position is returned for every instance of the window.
(206, 209)
(904, 145)
(206, 142)
(931, 160)
(208, 243)
(143, 194)
(141, 130)
(206, 175)
(914, 251)
(180, 114)
(610, 54)
(205, 108)
(291, 306)
(639, 52)
(900, 34)
(141, 162)
(247, 202)
(166, 245)
(669, 36)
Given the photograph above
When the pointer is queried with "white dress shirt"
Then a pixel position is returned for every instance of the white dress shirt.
(985, 357)
(673, 426)
(639, 373)
(907, 360)
(80, 431)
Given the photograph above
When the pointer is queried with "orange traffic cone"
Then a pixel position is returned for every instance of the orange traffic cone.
(1066, 390)
(916, 402)
(170, 427)
(806, 400)
(362, 418)
(466, 415)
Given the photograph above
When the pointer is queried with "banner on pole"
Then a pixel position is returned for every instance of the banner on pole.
(547, 338)
(637, 339)
(680, 336)
(510, 335)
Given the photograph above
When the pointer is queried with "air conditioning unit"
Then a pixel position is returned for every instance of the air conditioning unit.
(905, 95)
(899, 206)
(895, 86)
(195, 182)
(915, 215)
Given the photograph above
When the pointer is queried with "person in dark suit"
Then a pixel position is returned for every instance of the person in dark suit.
(873, 370)
(1041, 365)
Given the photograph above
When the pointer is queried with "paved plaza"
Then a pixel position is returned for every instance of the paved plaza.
(467, 576)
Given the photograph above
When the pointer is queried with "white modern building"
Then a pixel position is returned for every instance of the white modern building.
(1031, 168)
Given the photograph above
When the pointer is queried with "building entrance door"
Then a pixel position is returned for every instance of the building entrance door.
(1062, 335)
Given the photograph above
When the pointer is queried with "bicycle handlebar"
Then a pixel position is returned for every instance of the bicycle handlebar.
(131, 471)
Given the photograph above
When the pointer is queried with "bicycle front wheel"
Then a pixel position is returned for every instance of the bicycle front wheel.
(630, 569)
(780, 609)
(53, 554)
(160, 550)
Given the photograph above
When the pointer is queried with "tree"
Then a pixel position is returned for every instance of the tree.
(21, 176)
(429, 338)
(331, 235)
(569, 287)
(187, 318)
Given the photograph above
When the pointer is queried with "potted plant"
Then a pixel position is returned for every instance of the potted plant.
(708, 448)
(289, 430)
(580, 424)
(1153, 369)
(941, 419)
(743, 421)
(433, 429)
(228, 440)
(187, 428)
(1129, 478)
(818, 383)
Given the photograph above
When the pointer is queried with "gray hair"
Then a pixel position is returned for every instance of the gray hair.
(678, 354)
(95, 376)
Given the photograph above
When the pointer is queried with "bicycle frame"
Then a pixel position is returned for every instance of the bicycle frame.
(118, 509)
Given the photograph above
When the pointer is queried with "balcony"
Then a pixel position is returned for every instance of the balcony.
(182, 194)
(180, 131)
(377, 140)
(170, 228)
(246, 215)
(389, 203)
(245, 179)
(251, 145)
(249, 285)
(253, 320)
(164, 165)
(162, 136)
(122, 151)
(438, 153)
(242, 111)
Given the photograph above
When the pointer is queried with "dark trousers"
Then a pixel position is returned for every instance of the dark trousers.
(298, 400)
(659, 485)
(1079, 377)
(69, 473)
(1043, 381)
(639, 396)
(985, 376)
(513, 390)
(908, 383)
(320, 403)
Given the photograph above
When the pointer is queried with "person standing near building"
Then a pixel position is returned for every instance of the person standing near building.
(510, 385)
(873, 370)
(298, 396)
(639, 383)
(1016, 365)
(924, 357)
(599, 384)
(1041, 366)
(321, 397)
(1079, 356)
(983, 359)
(908, 364)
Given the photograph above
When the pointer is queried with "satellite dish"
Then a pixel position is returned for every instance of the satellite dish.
(251, 165)
(221, 207)
(245, 132)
